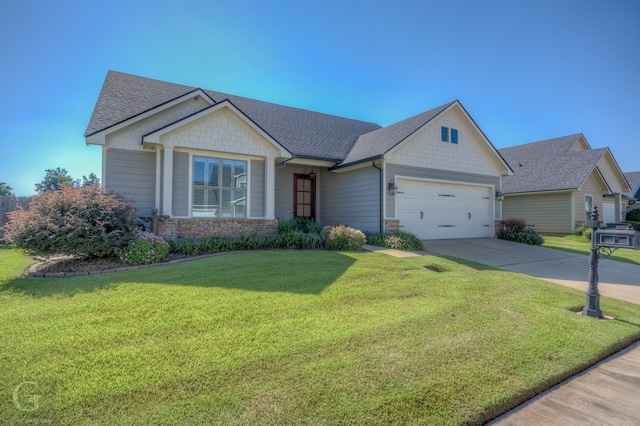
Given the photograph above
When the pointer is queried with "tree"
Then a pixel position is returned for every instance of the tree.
(54, 179)
(6, 190)
(91, 180)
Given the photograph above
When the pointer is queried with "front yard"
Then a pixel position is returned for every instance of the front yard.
(291, 337)
(582, 245)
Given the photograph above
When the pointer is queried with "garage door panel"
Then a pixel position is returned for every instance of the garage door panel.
(434, 210)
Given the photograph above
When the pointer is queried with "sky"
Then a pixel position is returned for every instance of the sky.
(524, 70)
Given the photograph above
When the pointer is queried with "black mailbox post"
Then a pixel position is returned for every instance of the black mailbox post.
(604, 238)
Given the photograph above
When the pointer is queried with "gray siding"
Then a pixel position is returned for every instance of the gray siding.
(132, 174)
(180, 184)
(394, 170)
(284, 191)
(257, 188)
(548, 213)
(351, 198)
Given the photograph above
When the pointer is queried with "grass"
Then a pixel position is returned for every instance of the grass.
(291, 338)
(582, 245)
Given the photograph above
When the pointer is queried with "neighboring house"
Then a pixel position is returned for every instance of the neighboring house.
(557, 182)
(223, 164)
(634, 195)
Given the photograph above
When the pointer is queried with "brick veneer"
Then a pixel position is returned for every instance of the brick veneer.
(192, 228)
(391, 225)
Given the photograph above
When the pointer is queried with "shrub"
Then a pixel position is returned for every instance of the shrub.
(399, 240)
(145, 250)
(517, 230)
(342, 237)
(299, 224)
(633, 215)
(635, 225)
(579, 231)
(587, 233)
(83, 221)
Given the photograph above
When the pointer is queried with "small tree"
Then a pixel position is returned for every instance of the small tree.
(54, 179)
(91, 180)
(83, 221)
(6, 190)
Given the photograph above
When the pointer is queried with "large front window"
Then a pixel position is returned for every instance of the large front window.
(219, 187)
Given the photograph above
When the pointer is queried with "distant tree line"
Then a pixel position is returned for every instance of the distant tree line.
(53, 181)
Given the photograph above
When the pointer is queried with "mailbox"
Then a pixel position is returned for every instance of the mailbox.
(615, 238)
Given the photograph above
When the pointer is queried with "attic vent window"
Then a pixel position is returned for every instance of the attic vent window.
(449, 135)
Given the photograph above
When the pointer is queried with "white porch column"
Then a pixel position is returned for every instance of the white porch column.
(617, 201)
(270, 188)
(167, 182)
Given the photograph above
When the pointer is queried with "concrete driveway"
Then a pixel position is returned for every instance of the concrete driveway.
(616, 279)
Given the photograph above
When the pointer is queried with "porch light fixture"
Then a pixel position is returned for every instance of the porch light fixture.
(499, 195)
(312, 175)
(392, 187)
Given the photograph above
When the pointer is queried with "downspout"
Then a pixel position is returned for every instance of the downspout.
(373, 163)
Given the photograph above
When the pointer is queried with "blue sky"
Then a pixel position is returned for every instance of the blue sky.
(525, 71)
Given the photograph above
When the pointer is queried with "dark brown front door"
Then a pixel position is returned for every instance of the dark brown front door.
(304, 196)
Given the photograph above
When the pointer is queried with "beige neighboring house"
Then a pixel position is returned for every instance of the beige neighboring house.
(557, 182)
(634, 195)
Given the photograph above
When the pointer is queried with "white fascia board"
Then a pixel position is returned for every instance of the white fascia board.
(100, 137)
(312, 162)
(154, 137)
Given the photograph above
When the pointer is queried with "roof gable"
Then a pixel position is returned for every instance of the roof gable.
(551, 165)
(155, 136)
(634, 182)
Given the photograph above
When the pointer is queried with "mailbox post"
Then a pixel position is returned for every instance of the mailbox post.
(605, 238)
(592, 308)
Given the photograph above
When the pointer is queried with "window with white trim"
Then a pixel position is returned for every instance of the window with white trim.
(219, 188)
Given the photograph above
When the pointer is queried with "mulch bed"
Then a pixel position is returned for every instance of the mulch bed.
(69, 266)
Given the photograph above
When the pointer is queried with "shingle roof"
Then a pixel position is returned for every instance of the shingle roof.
(379, 142)
(304, 133)
(634, 182)
(548, 165)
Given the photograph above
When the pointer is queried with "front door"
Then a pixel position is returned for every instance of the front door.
(304, 196)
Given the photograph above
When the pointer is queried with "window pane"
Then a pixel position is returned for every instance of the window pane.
(307, 185)
(454, 135)
(205, 202)
(199, 165)
(445, 134)
(240, 174)
(213, 172)
(234, 202)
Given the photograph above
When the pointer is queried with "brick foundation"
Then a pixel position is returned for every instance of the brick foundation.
(391, 225)
(193, 228)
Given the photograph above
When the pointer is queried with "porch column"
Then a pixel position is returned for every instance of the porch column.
(270, 188)
(167, 183)
(617, 201)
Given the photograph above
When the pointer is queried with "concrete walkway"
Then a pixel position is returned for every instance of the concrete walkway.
(605, 394)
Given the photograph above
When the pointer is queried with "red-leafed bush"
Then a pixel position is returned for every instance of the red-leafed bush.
(83, 221)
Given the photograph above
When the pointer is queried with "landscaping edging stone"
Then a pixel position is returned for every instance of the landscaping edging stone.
(34, 272)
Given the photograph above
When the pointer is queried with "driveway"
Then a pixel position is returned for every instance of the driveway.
(616, 279)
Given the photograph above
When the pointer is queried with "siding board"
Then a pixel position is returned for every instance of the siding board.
(549, 213)
(257, 188)
(132, 174)
(180, 184)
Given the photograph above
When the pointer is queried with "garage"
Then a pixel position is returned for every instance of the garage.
(436, 210)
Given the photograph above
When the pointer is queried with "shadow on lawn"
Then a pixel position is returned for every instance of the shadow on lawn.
(300, 272)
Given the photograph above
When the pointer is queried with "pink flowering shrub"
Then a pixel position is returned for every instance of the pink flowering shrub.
(82, 221)
(146, 249)
(342, 237)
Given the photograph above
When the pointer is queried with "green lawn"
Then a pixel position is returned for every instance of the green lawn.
(576, 244)
(291, 338)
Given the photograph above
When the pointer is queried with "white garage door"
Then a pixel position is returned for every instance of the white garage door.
(435, 210)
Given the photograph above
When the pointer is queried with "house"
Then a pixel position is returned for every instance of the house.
(557, 182)
(634, 195)
(222, 164)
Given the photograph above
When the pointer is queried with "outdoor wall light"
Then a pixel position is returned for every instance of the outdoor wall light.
(392, 187)
(312, 175)
(499, 195)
